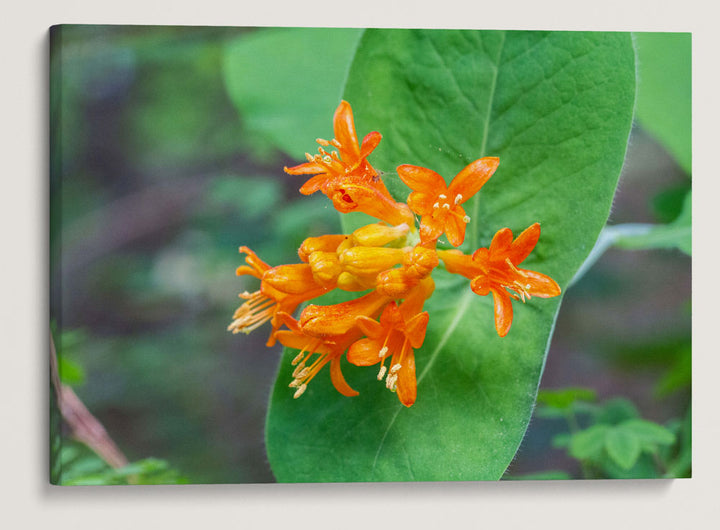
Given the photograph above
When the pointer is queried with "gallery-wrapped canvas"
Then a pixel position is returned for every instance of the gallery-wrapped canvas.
(354, 255)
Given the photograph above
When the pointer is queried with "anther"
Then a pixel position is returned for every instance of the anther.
(383, 351)
(458, 198)
(381, 373)
(298, 357)
(442, 196)
(322, 142)
(395, 368)
(436, 205)
(446, 206)
(299, 391)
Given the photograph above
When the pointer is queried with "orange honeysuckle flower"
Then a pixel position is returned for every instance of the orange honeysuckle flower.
(418, 263)
(346, 176)
(401, 328)
(282, 288)
(495, 269)
(338, 319)
(440, 205)
(329, 350)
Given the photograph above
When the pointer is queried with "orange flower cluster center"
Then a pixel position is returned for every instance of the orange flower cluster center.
(391, 262)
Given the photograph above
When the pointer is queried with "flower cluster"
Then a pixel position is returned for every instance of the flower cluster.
(390, 262)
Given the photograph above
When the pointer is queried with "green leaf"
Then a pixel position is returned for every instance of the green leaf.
(564, 398)
(556, 107)
(616, 410)
(664, 98)
(648, 432)
(622, 446)
(286, 82)
(590, 443)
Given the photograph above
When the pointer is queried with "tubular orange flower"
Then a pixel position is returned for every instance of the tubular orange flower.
(346, 176)
(401, 328)
(282, 288)
(494, 270)
(329, 350)
(418, 263)
(440, 205)
(337, 319)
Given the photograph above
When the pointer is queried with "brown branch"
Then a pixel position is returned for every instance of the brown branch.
(83, 425)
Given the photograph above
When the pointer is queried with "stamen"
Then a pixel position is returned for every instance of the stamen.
(446, 206)
(442, 196)
(383, 351)
(302, 374)
(395, 368)
(322, 142)
(390, 381)
(299, 391)
(294, 383)
(335, 143)
(309, 157)
(458, 198)
(514, 268)
(381, 373)
(298, 357)
(436, 205)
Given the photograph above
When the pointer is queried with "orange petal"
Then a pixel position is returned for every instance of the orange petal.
(422, 179)
(500, 243)
(541, 285)
(308, 168)
(472, 177)
(455, 227)
(364, 352)
(369, 143)
(369, 326)
(314, 184)
(421, 203)
(253, 260)
(524, 244)
(416, 327)
(480, 285)
(503, 311)
(344, 128)
(430, 229)
(338, 380)
(406, 383)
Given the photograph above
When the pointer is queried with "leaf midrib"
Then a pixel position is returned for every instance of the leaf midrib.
(465, 300)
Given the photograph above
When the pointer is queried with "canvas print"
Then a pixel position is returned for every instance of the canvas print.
(368, 255)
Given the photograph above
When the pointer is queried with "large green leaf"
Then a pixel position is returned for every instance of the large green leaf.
(664, 91)
(556, 108)
(283, 81)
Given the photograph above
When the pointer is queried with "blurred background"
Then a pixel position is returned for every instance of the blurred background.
(156, 179)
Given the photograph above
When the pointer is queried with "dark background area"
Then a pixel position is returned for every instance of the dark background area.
(155, 182)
